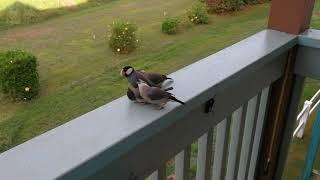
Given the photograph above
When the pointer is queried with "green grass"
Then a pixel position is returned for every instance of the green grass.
(41, 4)
(17, 12)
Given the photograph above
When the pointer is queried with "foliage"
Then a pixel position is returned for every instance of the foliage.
(198, 14)
(123, 39)
(221, 6)
(170, 25)
(18, 74)
(19, 13)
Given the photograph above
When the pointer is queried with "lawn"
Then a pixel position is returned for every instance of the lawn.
(78, 72)
(42, 4)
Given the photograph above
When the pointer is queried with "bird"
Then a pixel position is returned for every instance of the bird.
(156, 95)
(132, 97)
(152, 79)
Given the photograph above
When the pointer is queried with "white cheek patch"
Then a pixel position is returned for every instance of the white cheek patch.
(129, 71)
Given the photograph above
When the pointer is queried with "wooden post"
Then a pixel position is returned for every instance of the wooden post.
(291, 16)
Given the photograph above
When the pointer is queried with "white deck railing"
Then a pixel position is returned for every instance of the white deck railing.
(308, 108)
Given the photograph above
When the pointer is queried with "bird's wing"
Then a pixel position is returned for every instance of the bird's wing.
(142, 76)
(155, 77)
(155, 93)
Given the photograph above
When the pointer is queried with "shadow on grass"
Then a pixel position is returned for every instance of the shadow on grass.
(20, 13)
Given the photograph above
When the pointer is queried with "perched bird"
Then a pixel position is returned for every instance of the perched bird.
(132, 97)
(152, 79)
(155, 95)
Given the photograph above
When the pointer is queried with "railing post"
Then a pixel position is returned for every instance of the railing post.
(291, 17)
(304, 118)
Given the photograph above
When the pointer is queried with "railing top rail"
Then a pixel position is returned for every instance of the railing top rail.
(102, 135)
(315, 96)
(310, 38)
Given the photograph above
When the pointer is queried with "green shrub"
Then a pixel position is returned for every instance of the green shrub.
(221, 6)
(123, 39)
(170, 25)
(198, 14)
(19, 13)
(18, 74)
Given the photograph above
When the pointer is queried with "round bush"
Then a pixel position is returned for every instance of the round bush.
(18, 74)
(222, 6)
(170, 25)
(198, 14)
(123, 39)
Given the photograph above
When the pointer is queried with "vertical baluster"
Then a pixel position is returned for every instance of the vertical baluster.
(257, 135)
(204, 156)
(182, 164)
(248, 137)
(237, 128)
(160, 174)
(221, 149)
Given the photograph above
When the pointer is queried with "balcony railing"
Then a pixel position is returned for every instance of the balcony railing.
(123, 140)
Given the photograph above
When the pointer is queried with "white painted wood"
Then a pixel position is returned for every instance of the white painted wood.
(204, 156)
(303, 120)
(257, 136)
(153, 176)
(250, 127)
(159, 174)
(252, 135)
(182, 164)
(245, 147)
(237, 129)
(221, 149)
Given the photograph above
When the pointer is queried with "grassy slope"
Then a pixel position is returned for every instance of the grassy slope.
(41, 4)
(79, 73)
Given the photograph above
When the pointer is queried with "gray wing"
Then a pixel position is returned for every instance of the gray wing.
(155, 77)
(142, 76)
(155, 93)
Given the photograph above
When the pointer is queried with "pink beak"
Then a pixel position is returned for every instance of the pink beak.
(122, 73)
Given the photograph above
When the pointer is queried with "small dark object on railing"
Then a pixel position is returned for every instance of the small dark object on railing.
(209, 106)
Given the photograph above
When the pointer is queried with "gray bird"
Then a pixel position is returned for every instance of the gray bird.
(132, 97)
(155, 95)
(152, 79)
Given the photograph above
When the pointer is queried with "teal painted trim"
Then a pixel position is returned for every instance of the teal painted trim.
(310, 38)
(312, 150)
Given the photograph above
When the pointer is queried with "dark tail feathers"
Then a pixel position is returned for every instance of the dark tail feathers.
(168, 89)
(176, 100)
(166, 77)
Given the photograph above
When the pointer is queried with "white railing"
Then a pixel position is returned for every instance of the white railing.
(304, 115)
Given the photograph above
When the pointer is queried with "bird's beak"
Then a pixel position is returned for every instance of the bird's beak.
(122, 72)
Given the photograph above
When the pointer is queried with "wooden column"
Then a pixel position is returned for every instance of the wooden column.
(291, 16)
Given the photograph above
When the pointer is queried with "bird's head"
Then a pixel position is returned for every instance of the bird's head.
(126, 71)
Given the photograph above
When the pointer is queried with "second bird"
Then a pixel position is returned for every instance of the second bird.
(152, 79)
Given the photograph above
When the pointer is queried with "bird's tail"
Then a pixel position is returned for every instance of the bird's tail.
(166, 77)
(168, 89)
(176, 100)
